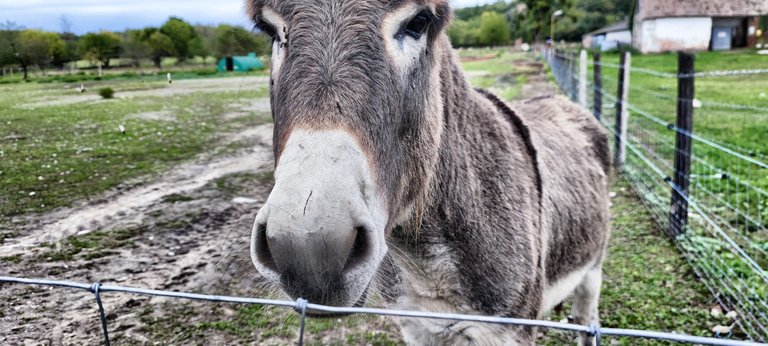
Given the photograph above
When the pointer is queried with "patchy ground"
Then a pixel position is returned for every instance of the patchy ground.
(187, 229)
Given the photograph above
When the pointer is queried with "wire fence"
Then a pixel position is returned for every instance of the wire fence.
(707, 188)
(716, 213)
(302, 306)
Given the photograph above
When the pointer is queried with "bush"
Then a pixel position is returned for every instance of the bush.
(106, 93)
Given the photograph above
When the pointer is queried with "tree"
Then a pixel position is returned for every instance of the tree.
(135, 47)
(160, 46)
(494, 29)
(233, 40)
(39, 48)
(70, 52)
(65, 24)
(9, 35)
(100, 47)
(207, 38)
(534, 22)
(182, 36)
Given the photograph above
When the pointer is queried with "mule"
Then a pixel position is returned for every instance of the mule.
(393, 176)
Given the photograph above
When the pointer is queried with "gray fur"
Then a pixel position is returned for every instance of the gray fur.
(507, 199)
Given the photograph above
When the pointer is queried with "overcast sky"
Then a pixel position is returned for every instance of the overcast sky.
(117, 15)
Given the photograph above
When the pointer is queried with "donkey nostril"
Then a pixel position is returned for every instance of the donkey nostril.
(263, 254)
(360, 249)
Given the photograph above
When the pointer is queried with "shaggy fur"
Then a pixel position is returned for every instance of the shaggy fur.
(489, 204)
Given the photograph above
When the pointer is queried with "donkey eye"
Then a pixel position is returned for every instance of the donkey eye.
(267, 29)
(416, 26)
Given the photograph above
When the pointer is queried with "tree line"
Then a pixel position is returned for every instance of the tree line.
(32, 48)
(503, 22)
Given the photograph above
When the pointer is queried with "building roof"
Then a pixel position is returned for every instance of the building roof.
(615, 27)
(700, 8)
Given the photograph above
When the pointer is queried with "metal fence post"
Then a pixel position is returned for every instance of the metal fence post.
(574, 78)
(678, 217)
(621, 109)
(583, 78)
(598, 83)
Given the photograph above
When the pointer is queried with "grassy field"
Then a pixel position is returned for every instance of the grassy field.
(501, 71)
(734, 109)
(55, 150)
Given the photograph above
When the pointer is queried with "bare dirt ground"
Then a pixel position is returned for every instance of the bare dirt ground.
(537, 84)
(182, 232)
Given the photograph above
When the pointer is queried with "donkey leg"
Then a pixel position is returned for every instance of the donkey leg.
(585, 300)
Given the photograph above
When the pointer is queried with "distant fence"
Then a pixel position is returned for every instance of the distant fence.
(708, 194)
(301, 306)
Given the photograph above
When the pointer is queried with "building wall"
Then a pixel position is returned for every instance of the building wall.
(672, 34)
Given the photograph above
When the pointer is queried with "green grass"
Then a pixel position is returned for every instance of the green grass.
(91, 245)
(52, 155)
(258, 324)
(124, 75)
(504, 74)
(745, 128)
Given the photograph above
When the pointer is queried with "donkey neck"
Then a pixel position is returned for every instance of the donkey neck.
(484, 144)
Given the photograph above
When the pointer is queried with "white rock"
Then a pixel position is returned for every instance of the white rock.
(696, 103)
(716, 312)
(732, 314)
(722, 330)
(244, 200)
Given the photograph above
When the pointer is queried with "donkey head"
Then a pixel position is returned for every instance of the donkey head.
(357, 105)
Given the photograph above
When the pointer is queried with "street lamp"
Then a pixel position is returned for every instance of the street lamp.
(555, 14)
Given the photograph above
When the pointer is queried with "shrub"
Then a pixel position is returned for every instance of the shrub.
(106, 93)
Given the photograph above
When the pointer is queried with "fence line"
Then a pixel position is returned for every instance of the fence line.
(715, 73)
(719, 200)
(301, 306)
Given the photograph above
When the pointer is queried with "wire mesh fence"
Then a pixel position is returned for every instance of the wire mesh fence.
(302, 307)
(708, 187)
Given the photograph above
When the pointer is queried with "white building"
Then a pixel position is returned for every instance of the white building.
(609, 37)
(673, 25)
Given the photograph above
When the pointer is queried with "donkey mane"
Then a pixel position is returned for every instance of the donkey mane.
(521, 128)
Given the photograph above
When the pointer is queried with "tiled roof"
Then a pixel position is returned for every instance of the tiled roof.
(701, 8)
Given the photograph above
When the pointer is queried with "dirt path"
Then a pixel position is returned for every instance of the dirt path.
(129, 207)
(176, 233)
(537, 84)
